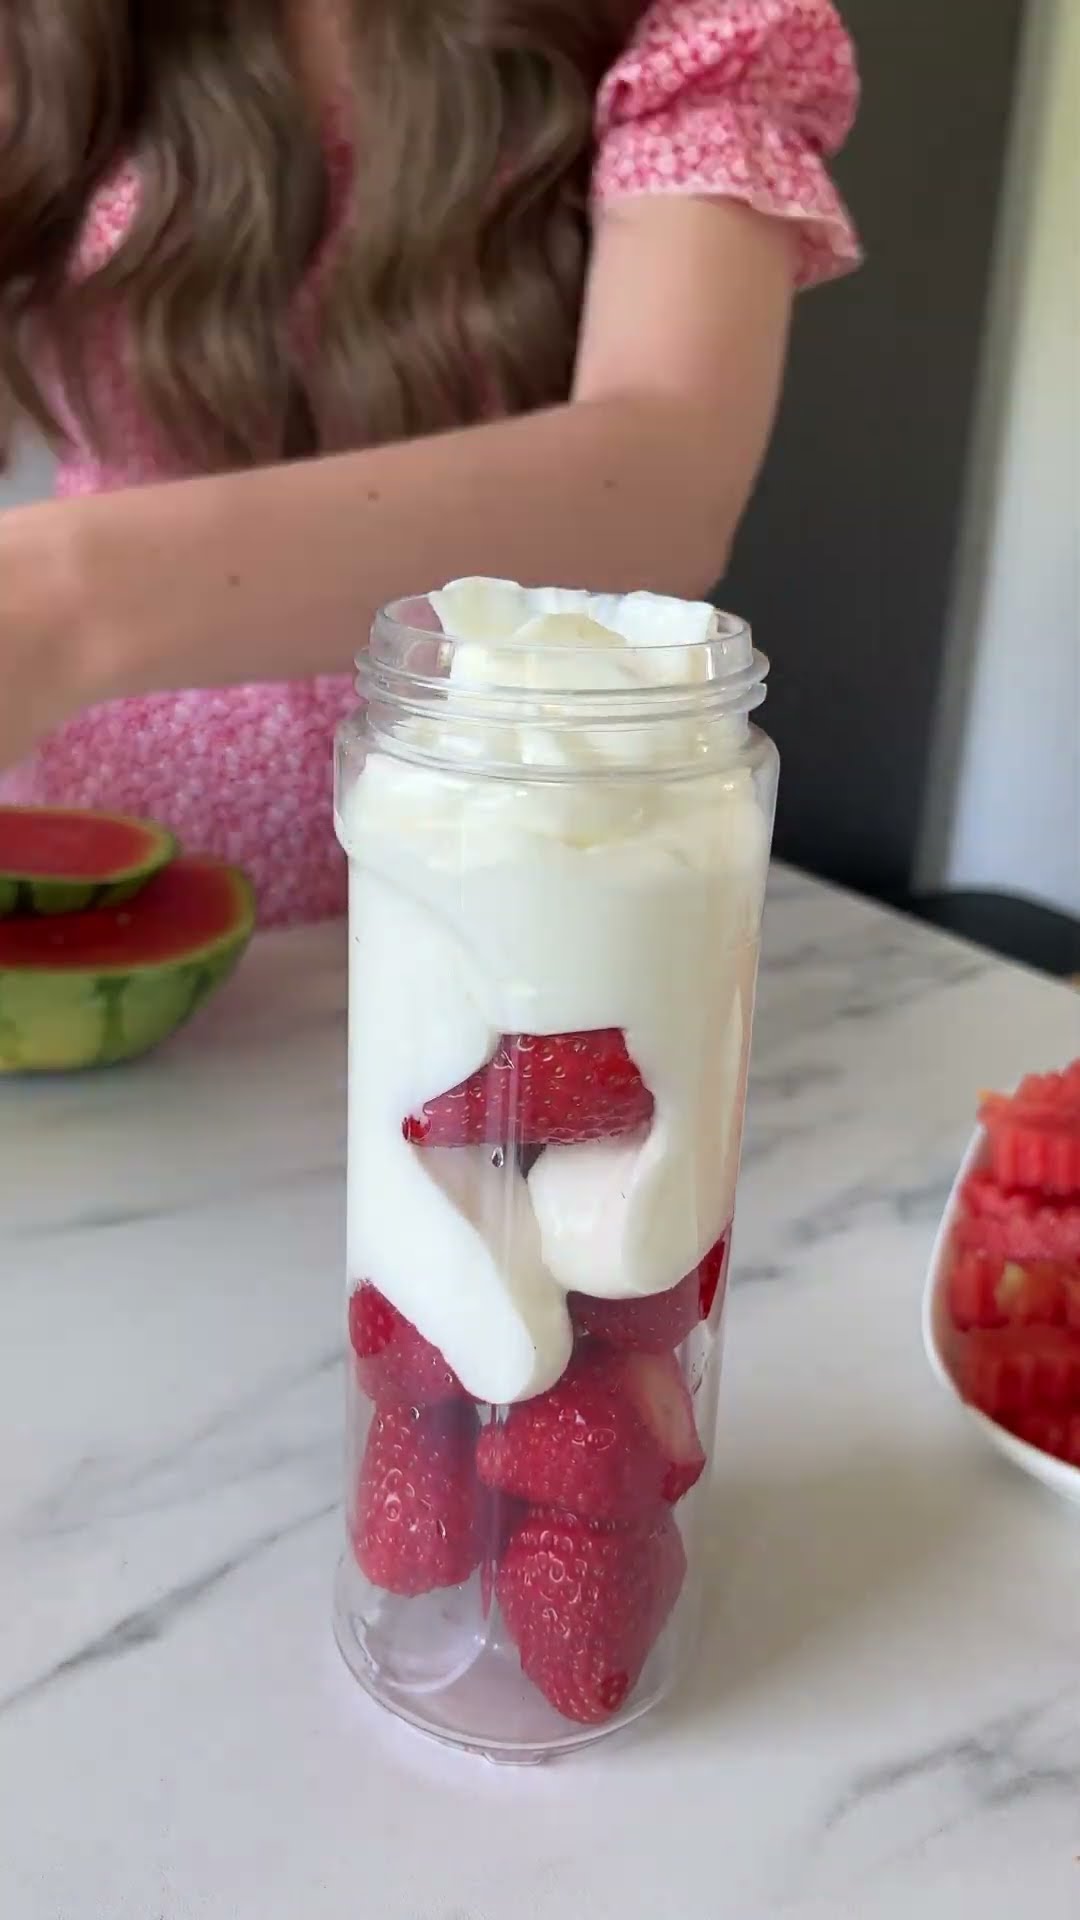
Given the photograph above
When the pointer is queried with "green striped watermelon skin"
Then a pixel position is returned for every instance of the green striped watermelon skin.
(60, 1016)
(56, 861)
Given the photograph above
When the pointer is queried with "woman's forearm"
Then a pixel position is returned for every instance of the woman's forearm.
(276, 574)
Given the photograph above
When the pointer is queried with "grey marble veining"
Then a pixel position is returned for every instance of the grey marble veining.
(886, 1717)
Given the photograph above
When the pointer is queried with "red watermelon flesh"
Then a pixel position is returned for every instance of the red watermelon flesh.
(54, 860)
(94, 988)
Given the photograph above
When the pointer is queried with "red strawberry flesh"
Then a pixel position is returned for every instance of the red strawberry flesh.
(540, 1090)
(657, 1389)
(661, 1321)
(614, 1438)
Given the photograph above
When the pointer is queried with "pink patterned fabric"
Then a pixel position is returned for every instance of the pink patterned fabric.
(743, 100)
(739, 98)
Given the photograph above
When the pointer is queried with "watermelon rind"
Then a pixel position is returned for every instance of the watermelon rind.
(25, 891)
(62, 1019)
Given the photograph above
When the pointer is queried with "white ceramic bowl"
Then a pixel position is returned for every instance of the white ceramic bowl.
(1058, 1475)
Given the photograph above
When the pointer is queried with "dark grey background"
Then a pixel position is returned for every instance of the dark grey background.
(845, 561)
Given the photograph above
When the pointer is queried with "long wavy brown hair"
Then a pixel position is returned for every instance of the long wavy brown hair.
(454, 292)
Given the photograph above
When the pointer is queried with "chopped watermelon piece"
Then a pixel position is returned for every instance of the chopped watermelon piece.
(1037, 1158)
(1019, 1370)
(1016, 1226)
(1054, 1433)
(1034, 1134)
(987, 1291)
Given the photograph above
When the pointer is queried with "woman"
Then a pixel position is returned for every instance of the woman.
(325, 304)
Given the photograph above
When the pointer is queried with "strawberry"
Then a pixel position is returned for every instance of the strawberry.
(1016, 1226)
(613, 1438)
(393, 1361)
(986, 1291)
(661, 1321)
(560, 1089)
(1034, 1134)
(586, 1604)
(1020, 1370)
(417, 1523)
(502, 1517)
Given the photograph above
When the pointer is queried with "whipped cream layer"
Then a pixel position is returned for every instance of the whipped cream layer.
(484, 906)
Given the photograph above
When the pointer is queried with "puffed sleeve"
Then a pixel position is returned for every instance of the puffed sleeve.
(745, 99)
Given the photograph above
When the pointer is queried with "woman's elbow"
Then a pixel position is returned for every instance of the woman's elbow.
(684, 487)
(698, 495)
(689, 544)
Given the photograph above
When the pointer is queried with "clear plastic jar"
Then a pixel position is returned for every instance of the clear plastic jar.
(557, 861)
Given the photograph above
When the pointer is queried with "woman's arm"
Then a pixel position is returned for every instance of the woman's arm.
(638, 482)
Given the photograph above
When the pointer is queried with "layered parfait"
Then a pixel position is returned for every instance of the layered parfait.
(557, 870)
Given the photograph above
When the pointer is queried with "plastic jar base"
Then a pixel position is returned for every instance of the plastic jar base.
(481, 1703)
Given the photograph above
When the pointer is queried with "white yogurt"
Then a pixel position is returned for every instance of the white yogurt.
(481, 907)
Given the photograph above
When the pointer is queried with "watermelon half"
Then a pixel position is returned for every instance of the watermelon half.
(53, 860)
(95, 988)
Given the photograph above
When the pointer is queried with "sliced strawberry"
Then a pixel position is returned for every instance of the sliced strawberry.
(417, 1523)
(560, 1089)
(1019, 1370)
(393, 1361)
(986, 1291)
(611, 1440)
(1034, 1134)
(585, 1605)
(582, 1446)
(658, 1391)
(1016, 1226)
(661, 1321)
(1056, 1433)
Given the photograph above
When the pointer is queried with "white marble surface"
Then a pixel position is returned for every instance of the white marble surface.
(887, 1716)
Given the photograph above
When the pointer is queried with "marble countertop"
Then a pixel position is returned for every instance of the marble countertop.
(887, 1714)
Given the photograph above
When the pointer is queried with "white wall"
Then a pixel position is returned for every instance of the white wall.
(1004, 804)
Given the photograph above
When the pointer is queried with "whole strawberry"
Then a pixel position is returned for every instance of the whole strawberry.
(586, 1604)
(661, 1321)
(540, 1090)
(394, 1362)
(417, 1519)
(610, 1441)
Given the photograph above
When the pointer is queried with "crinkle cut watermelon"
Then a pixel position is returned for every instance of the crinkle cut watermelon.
(1034, 1134)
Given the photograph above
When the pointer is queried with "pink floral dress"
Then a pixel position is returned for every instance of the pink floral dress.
(740, 98)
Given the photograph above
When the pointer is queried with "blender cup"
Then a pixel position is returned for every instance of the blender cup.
(557, 817)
